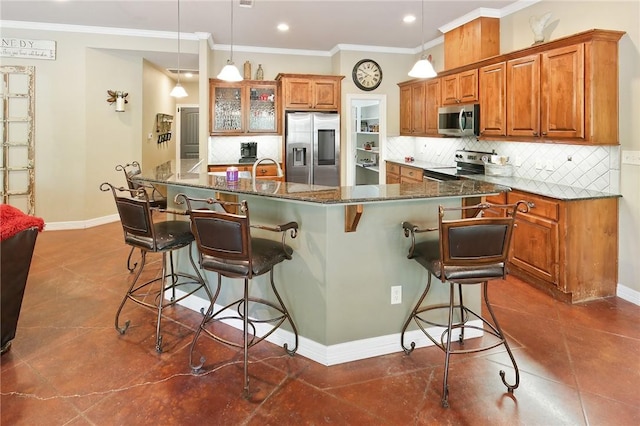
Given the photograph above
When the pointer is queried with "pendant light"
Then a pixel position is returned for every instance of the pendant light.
(230, 72)
(422, 68)
(178, 91)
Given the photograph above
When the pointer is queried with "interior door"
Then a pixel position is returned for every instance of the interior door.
(189, 145)
(18, 152)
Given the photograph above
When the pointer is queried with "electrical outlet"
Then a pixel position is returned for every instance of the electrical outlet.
(631, 157)
(396, 294)
(150, 136)
(538, 165)
(518, 161)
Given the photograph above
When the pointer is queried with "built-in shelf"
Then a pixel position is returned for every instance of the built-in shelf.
(368, 167)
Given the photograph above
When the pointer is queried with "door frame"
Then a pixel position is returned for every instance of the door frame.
(350, 145)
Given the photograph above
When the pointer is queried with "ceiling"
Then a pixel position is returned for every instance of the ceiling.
(318, 25)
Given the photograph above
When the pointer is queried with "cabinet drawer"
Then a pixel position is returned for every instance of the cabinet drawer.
(393, 168)
(541, 206)
(411, 173)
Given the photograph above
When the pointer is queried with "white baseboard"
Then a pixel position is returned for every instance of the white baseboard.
(628, 294)
(81, 224)
(341, 352)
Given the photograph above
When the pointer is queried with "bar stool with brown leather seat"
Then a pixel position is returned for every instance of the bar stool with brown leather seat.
(468, 251)
(228, 249)
(164, 237)
(157, 201)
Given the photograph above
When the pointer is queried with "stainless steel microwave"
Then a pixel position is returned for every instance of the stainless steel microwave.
(459, 120)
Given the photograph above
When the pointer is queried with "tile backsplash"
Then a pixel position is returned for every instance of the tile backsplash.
(588, 167)
(226, 149)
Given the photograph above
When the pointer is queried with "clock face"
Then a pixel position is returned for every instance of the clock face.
(367, 74)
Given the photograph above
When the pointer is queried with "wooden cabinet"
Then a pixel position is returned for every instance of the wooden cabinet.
(393, 173)
(419, 103)
(412, 106)
(493, 100)
(562, 113)
(460, 88)
(432, 95)
(523, 96)
(263, 171)
(397, 173)
(567, 248)
(567, 94)
(311, 92)
(410, 174)
(243, 107)
(471, 42)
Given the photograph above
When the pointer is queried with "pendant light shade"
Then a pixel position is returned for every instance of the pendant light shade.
(230, 72)
(422, 68)
(178, 91)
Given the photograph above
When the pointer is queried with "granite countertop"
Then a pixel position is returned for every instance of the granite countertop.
(326, 195)
(551, 190)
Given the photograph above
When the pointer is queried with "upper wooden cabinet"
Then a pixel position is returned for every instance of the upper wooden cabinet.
(412, 103)
(248, 106)
(419, 103)
(432, 94)
(460, 88)
(493, 100)
(565, 90)
(311, 92)
(471, 42)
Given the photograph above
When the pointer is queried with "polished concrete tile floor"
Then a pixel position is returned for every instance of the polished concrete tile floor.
(580, 365)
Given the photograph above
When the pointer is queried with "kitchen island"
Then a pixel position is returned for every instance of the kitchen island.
(349, 252)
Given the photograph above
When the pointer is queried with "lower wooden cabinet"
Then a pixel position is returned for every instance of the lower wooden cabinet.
(263, 171)
(568, 248)
(397, 173)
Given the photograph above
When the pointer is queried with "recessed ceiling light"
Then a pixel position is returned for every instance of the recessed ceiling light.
(409, 19)
(283, 27)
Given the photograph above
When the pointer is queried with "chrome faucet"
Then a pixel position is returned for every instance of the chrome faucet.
(279, 173)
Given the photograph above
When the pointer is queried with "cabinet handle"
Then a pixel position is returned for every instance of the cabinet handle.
(263, 171)
(544, 133)
(535, 133)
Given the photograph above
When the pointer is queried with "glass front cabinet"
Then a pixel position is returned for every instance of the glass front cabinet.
(244, 107)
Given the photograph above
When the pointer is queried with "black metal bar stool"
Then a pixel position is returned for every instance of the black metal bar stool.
(157, 201)
(163, 237)
(228, 249)
(468, 251)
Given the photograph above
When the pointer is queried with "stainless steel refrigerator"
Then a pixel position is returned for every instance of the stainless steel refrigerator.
(312, 142)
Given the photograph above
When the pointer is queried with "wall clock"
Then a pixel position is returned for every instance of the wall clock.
(367, 74)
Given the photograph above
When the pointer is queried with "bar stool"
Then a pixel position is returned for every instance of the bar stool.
(164, 237)
(468, 251)
(157, 201)
(227, 248)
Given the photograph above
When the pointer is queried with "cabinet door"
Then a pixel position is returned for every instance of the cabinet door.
(534, 247)
(297, 93)
(450, 89)
(262, 116)
(418, 108)
(326, 94)
(432, 103)
(468, 86)
(393, 173)
(523, 96)
(562, 104)
(460, 88)
(493, 100)
(226, 108)
(405, 110)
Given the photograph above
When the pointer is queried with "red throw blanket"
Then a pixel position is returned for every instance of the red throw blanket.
(12, 221)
